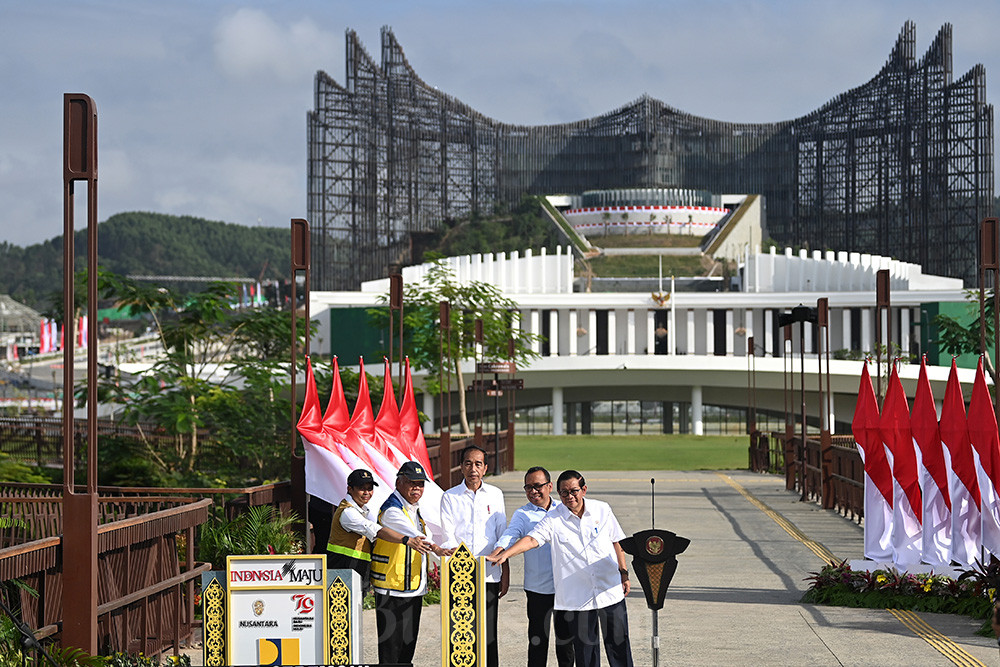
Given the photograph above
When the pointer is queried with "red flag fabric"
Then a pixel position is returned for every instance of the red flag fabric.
(907, 503)
(326, 470)
(865, 427)
(387, 422)
(409, 425)
(936, 516)
(336, 418)
(361, 432)
(878, 474)
(986, 445)
(963, 485)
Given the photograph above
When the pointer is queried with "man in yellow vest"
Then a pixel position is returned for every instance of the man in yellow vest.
(352, 531)
(399, 570)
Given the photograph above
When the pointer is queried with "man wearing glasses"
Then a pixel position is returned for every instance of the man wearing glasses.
(539, 587)
(589, 568)
(473, 513)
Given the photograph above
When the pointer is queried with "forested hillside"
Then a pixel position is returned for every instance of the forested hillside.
(149, 244)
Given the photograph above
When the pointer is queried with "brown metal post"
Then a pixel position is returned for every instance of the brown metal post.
(511, 408)
(989, 263)
(882, 304)
(300, 262)
(789, 381)
(396, 304)
(825, 441)
(751, 421)
(80, 511)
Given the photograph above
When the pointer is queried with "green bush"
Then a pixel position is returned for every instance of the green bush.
(259, 530)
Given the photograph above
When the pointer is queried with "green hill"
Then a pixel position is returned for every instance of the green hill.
(149, 244)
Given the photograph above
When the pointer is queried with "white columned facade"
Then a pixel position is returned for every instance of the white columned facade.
(558, 411)
(697, 413)
(429, 411)
(554, 337)
(689, 343)
(572, 329)
(536, 328)
(904, 330)
(768, 316)
(845, 341)
(630, 332)
(867, 332)
(612, 331)
(591, 331)
(709, 332)
(650, 331)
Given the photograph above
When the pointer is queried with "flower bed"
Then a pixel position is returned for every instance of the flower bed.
(971, 594)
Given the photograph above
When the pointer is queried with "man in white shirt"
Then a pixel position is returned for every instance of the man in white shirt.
(399, 571)
(539, 588)
(473, 513)
(589, 570)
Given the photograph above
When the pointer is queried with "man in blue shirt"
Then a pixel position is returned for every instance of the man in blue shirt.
(538, 584)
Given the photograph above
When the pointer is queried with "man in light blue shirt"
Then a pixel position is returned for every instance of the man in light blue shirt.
(539, 587)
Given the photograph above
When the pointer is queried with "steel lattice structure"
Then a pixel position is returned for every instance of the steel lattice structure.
(900, 166)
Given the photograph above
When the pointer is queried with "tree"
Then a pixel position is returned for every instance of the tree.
(958, 336)
(223, 370)
(469, 301)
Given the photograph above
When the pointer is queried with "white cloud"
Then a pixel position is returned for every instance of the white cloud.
(250, 44)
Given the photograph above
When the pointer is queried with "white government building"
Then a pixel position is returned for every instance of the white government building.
(687, 348)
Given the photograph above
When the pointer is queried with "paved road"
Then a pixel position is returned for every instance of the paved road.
(735, 597)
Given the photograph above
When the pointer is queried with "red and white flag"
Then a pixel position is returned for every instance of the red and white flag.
(326, 470)
(933, 475)
(361, 434)
(985, 443)
(963, 485)
(878, 474)
(336, 424)
(389, 439)
(907, 507)
(411, 435)
(387, 422)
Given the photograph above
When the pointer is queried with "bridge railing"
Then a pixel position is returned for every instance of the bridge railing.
(827, 469)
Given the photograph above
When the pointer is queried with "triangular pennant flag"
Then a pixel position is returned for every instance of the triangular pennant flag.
(387, 422)
(936, 516)
(326, 470)
(336, 418)
(360, 433)
(878, 474)
(963, 485)
(906, 500)
(985, 442)
(409, 425)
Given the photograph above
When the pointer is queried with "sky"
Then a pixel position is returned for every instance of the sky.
(202, 104)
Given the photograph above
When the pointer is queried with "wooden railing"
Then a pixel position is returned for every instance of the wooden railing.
(146, 563)
(146, 593)
(39, 439)
(830, 473)
(453, 445)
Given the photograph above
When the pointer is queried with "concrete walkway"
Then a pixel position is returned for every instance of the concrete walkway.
(735, 597)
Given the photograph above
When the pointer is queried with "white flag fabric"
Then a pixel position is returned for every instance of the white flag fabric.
(878, 474)
(907, 506)
(963, 485)
(326, 470)
(983, 433)
(933, 476)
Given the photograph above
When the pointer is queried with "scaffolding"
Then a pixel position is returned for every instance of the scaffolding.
(900, 166)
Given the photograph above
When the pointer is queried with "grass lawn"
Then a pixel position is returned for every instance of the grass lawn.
(631, 452)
